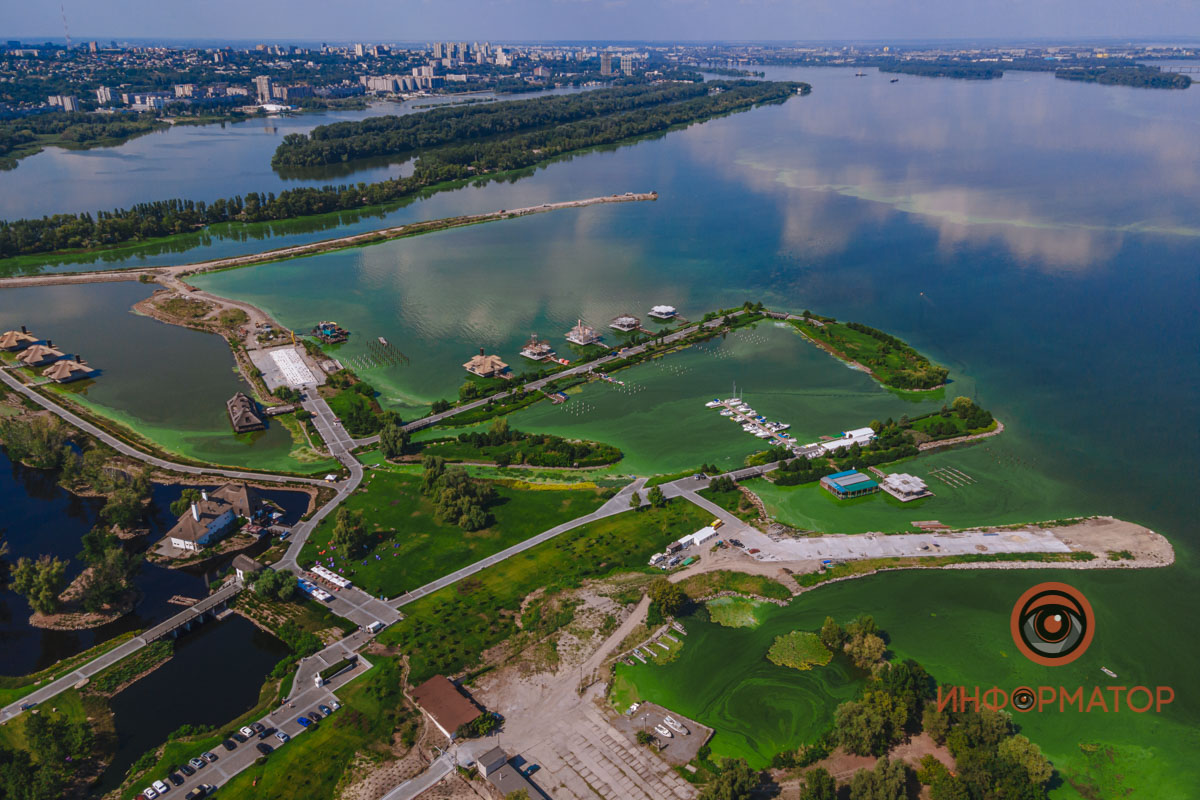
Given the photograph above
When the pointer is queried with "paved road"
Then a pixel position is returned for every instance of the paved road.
(617, 504)
(305, 698)
(124, 448)
(94, 666)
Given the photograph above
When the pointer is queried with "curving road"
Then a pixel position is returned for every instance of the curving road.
(125, 449)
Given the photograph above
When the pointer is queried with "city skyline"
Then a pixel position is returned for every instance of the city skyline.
(617, 20)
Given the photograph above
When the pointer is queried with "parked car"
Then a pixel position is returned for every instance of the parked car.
(326, 710)
(197, 793)
(239, 738)
(175, 778)
(335, 705)
(265, 732)
(210, 757)
(197, 762)
(187, 770)
(533, 768)
(160, 787)
(149, 793)
(27, 706)
(229, 744)
(314, 716)
(258, 727)
(304, 722)
(281, 736)
(246, 731)
(264, 748)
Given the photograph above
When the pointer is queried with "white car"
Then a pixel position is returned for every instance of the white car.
(281, 736)
(247, 731)
(149, 793)
(161, 787)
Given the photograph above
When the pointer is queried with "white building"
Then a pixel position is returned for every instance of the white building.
(663, 312)
(859, 436)
(905, 487)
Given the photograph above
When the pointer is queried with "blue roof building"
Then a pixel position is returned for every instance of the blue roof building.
(851, 483)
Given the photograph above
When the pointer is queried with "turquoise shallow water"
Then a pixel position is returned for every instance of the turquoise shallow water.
(1035, 236)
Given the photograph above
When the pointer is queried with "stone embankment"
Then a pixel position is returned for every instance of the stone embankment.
(962, 439)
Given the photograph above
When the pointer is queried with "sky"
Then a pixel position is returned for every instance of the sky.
(592, 20)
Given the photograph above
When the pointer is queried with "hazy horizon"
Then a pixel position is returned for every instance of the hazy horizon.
(842, 21)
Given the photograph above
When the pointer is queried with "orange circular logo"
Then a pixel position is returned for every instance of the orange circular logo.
(1052, 624)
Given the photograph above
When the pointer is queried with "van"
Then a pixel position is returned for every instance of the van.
(375, 627)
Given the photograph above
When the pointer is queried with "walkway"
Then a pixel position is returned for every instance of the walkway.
(615, 505)
(154, 461)
(435, 772)
(587, 366)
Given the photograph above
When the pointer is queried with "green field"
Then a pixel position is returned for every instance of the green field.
(411, 548)
(448, 630)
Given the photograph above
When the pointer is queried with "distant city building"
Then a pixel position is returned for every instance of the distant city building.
(263, 86)
(103, 95)
(606, 64)
(438, 52)
(93, 47)
(542, 72)
(359, 50)
(627, 64)
(293, 93)
(64, 101)
(185, 89)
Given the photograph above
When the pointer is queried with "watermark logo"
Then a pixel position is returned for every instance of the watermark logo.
(1052, 624)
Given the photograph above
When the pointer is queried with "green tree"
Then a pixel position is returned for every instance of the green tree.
(735, 781)
(40, 582)
(870, 725)
(1020, 751)
(669, 597)
(519, 794)
(832, 635)
(123, 508)
(656, 497)
(935, 723)
(818, 785)
(887, 781)
(349, 531)
(865, 650)
(393, 440)
(635, 501)
(109, 577)
(277, 584)
(189, 496)
(96, 543)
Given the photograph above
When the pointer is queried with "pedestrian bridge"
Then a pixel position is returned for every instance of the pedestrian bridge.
(203, 611)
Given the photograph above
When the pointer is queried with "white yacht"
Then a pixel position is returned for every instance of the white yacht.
(663, 732)
(675, 726)
(714, 403)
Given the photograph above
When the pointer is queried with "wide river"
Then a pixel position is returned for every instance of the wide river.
(1041, 238)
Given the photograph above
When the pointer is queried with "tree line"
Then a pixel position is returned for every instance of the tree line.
(1137, 76)
(168, 217)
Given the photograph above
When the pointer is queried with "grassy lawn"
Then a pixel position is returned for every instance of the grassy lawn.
(311, 765)
(734, 502)
(445, 632)
(412, 548)
(13, 688)
(131, 666)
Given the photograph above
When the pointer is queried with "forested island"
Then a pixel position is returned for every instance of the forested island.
(964, 70)
(398, 135)
(452, 161)
(1137, 76)
(25, 136)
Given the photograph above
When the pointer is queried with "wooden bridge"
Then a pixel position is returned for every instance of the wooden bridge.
(199, 613)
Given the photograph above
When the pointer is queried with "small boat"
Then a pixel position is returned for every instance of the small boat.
(860, 74)
(677, 626)
(383, 341)
(1108, 672)
(727, 413)
(895, 80)
(675, 726)
(663, 732)
(763, 435)
(714, 403)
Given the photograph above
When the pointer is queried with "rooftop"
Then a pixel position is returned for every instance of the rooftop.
(441, 700)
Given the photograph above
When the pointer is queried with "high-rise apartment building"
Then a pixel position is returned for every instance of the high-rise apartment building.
(262, 86)
(627, 65)
(606, 64)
